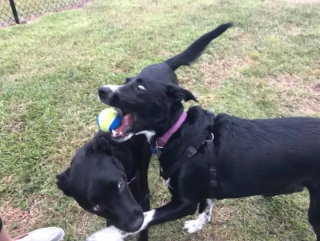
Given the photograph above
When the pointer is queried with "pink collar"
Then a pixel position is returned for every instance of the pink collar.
(160, 142)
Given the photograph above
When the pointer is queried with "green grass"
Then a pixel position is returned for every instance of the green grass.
(266, 66)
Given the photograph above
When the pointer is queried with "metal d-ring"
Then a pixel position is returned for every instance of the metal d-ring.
(157, 146)
(212, 137)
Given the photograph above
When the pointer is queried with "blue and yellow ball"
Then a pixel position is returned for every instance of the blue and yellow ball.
(108, 120)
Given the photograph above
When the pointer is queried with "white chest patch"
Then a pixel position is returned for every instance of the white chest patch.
(167, 182)
(148, 134)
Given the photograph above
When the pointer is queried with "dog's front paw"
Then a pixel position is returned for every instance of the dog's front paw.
(192, 226)
(111, 234)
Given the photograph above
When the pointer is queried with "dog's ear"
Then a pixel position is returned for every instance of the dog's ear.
(179, 94)
(63, 181)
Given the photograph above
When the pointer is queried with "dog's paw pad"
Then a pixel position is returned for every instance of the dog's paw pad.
(192, 226)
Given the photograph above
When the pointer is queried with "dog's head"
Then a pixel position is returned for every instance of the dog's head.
(97, 180)
(150, 100)
(146, 105)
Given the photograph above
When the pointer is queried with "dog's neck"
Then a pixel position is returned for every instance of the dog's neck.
(164, 138)
(197, 129)
(168, 122)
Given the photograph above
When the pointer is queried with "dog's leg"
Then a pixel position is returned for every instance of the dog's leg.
(314, 209)
(177, 208)
(143, 235)
(204, 217)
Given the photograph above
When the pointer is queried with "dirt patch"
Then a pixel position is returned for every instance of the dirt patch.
(220, 216)
(222, 213)
(316, 88)
(19, 221)
(294, 30)
(39, 214)
(284, 81)
(297, 93)
(14, 124)
(207, 235)
(80, 228)
(7, 181)
(215, 72)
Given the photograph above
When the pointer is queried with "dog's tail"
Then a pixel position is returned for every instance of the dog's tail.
(188, 56)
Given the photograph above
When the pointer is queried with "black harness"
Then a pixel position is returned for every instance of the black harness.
(189, 152)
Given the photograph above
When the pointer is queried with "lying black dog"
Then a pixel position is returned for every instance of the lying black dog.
(110, 179)
(205, 157)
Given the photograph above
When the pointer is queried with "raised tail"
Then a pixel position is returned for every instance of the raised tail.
(193, 52)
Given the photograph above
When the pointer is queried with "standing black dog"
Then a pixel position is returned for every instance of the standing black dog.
(205, 157)
(110, 179)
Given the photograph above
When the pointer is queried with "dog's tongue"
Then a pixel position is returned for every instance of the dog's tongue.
(126, 121)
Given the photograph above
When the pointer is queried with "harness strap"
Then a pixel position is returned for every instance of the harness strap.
(213, 180)
(189, 152)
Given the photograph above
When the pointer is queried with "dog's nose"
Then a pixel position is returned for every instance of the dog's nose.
(135, 224)
(104, 92)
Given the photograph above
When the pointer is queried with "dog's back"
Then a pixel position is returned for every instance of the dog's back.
(266, 154)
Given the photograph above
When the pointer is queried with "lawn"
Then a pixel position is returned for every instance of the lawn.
(28, 10)
(267, 66)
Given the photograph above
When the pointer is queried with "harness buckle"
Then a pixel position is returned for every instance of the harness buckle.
(213, 177)
(190, 151)
(213, 183)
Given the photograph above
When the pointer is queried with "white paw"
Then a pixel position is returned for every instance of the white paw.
(110, 234)
(192, 226)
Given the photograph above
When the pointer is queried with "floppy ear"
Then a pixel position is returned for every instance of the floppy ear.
(63, 181)
(179, 94)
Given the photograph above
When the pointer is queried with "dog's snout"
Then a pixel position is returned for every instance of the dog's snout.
(135, 224)
(104, 92)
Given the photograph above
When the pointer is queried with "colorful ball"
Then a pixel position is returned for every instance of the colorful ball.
(108, 120)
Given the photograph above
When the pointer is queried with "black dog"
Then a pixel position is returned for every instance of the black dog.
(110, 179)
(209, 157)
(93, 192)
(161, 75)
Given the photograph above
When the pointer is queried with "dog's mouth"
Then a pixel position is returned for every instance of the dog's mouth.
(124, 129)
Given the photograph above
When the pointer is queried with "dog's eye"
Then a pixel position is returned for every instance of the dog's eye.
(141, 87)
(120, 185)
